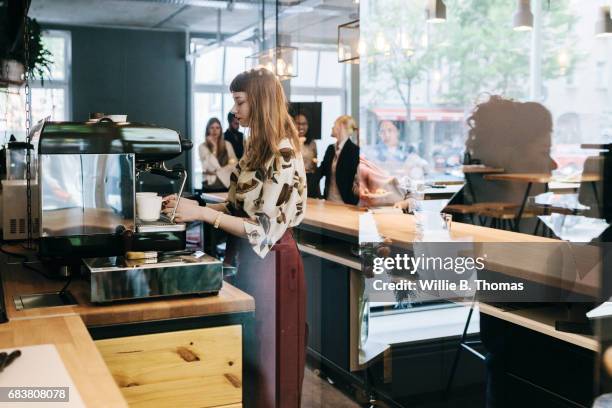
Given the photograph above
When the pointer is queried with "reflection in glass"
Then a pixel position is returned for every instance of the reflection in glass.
(86, 194)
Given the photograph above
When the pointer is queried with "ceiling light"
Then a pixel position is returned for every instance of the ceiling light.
(436, 11)
(350, 46)
(281, 60)
(523, 17)
(603, 27)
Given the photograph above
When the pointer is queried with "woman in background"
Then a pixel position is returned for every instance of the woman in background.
(340, 164)
(267, 197)
(309, 154)
(217, 157)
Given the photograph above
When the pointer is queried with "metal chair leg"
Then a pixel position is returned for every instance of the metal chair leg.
(451, 377)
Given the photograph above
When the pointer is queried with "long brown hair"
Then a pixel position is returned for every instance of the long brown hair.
(269, 120)
(222, 155)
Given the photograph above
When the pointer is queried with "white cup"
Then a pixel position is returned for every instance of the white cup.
(145, 193)
(148, 206)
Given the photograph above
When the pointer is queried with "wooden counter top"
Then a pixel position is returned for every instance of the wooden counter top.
(400, 228)
(519, 255)
(77, 351)
(18, 280)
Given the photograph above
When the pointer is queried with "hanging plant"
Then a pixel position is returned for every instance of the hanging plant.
(39, 59)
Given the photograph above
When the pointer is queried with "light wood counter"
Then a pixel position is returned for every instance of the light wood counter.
(516, 254)
(18, 280)
(541, 320)
(542, 178)
(77, 350)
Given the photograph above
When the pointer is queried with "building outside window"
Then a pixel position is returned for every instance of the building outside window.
(427, 78)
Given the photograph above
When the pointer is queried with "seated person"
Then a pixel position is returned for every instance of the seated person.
(389, 153)
(339, 166)
(217, 157)
(514, 136)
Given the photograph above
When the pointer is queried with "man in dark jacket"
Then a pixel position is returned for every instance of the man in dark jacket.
(235, 137)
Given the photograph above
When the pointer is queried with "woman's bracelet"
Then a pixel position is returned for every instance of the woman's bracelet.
(217, 220)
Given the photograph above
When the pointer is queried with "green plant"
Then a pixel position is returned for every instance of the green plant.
(39, 57)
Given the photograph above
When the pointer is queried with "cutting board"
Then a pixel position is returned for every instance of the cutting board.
(39, 366)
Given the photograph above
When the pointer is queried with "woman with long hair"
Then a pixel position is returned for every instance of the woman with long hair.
(217, 157)
(267, 197)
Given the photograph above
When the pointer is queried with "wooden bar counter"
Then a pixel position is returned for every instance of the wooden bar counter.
(183, 350)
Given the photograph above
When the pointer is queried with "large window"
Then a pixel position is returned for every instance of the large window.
(322, 79)
(214, 69)
(50, 96)
(423, 80)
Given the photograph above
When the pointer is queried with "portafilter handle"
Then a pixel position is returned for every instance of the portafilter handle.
(186, 144)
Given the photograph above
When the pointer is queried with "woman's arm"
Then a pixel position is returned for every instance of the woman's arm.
(187, 212)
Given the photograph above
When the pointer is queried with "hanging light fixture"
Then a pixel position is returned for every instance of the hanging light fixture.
(436, 11)
(603, 27)
(523, 17)
(281, 60)
(350, 46)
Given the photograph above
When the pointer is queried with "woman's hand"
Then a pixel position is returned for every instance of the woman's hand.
(172, 197)
(409, 204)
(187, 210)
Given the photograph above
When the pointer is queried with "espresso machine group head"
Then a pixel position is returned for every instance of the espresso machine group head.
(88, 174)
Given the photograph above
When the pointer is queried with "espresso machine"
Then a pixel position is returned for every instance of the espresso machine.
(88, 173)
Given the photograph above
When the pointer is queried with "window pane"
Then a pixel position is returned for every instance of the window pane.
(208, 67)
(49, 102)
(57, 46)
(307, 69)
(330, 71)
(235, 61)
(45, 102)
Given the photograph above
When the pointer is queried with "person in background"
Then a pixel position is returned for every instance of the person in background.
(340, 164)
(267, 197)
(309, 154)
(234, 136)
(515, 136)
(391, 154)
(217, 157)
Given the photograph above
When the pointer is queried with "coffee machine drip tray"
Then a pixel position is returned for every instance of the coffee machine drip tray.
(117, 278)
(162, 225)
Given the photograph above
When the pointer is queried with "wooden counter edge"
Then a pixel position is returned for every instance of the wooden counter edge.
(17, 280)
(532, 319)
(77, 350)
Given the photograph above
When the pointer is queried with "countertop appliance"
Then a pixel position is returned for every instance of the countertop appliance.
(13, 191)
(88, 174)
(118, 278)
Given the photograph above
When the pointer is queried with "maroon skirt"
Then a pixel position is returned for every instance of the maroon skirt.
(279, 346)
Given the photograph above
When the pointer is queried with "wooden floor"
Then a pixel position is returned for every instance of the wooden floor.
(318, 393)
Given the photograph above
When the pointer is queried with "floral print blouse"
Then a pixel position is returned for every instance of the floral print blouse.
(269, 200)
